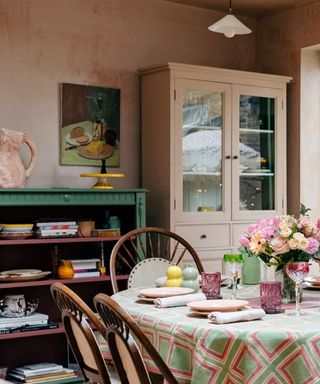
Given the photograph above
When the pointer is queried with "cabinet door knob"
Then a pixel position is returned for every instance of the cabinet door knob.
(228, 157)
(235, 157)
(66, 197)
(204, 236)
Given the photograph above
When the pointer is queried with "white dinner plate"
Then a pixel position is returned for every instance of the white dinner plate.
(313, 280)
(160, 292)
(217, 305)
(311, 286)
(202, 313)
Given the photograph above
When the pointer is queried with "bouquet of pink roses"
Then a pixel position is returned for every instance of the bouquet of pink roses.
(278, 240)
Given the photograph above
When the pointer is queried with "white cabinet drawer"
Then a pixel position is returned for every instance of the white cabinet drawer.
(205, 236)
(237, 232)
(212, 260)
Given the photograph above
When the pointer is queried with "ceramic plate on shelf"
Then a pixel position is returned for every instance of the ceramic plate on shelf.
(23, 274)
(217, 305)
(13, 228)
(161, 292)
(15, 236)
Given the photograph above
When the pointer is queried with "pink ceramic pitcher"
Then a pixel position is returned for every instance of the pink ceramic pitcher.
(12, 171)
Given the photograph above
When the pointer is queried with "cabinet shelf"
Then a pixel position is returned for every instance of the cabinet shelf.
(57, 240)
(201, 173)
(211, 127)
(41, 332)
(39, 283)
(249, 130)
(257, 174)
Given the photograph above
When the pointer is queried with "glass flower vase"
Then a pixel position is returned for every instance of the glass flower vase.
(288, 292)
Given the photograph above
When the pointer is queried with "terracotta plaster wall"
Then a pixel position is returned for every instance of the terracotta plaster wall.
(97, 42)
(279, 42)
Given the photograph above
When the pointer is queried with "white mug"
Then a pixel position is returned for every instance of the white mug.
(13, 306)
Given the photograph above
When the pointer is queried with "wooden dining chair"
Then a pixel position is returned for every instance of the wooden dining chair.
(66, 298)
(120, 329)
(75, 313)
(85, 348)
(145, 243)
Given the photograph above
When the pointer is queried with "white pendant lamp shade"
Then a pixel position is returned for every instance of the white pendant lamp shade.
(229, 26)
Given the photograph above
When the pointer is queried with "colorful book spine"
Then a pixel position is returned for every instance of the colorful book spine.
(49, 223)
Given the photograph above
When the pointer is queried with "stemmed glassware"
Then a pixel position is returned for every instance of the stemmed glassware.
(297, 271)
(234, 262)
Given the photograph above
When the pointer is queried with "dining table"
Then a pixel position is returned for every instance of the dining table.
(278, 348)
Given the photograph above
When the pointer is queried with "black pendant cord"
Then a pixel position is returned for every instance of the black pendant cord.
(230, 9)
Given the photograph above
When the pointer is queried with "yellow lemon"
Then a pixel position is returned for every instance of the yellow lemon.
(174, 276)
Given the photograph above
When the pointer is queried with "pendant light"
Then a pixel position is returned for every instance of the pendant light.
(229, 25)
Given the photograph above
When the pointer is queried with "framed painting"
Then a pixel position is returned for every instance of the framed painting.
(90, 125)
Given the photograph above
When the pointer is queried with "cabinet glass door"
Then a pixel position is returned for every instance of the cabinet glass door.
(254, 161)
(202, 125)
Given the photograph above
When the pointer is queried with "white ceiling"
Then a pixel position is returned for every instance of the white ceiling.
(251, 8)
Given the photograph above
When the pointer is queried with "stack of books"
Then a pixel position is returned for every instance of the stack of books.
(47, 229)
(44, 373)
(33, 322)
(85, 268)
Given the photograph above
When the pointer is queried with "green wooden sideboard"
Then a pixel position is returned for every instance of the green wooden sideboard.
(27, 205)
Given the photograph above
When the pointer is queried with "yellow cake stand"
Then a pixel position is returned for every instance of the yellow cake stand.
(102, 182)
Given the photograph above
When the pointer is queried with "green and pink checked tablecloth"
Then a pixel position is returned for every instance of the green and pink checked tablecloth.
(277, 349)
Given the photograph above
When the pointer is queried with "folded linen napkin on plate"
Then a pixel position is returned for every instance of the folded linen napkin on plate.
(179, 301)
(233, 317)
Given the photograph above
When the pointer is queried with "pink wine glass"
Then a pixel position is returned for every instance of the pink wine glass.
(297, 271)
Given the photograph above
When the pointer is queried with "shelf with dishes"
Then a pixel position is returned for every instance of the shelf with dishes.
(242, 172)
(46, 282)
(257, 172)
(254, 130)
(203, 173)
(57, 240)
(200, 127)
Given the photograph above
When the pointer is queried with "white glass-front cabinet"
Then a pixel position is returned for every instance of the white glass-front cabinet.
(213, 152)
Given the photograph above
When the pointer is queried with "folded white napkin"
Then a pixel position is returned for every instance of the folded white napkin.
(233, 317)
(178, 301)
